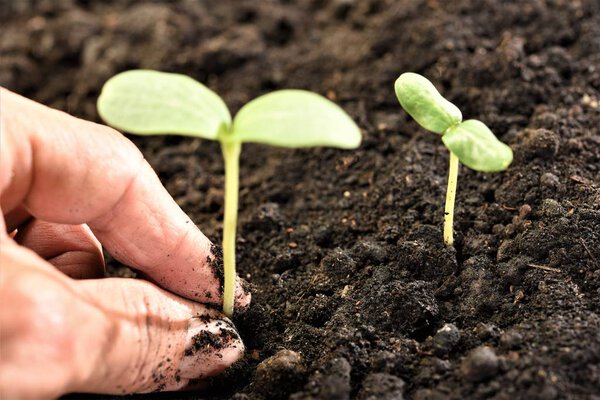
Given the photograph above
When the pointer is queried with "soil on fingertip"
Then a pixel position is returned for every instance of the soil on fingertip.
(354, 293)
(216, 264)
(206, 341)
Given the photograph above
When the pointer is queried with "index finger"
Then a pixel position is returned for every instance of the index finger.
(66, 170)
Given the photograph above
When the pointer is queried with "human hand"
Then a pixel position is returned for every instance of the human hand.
(68, 185)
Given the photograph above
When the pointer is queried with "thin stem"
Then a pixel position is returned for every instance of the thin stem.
(450, 196)
(231, 155)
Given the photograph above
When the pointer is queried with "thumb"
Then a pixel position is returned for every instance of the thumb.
(157, 341)
(103, 336)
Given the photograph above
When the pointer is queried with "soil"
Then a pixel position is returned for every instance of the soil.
(354, 293)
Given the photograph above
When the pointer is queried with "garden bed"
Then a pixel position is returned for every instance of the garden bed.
(344, 248)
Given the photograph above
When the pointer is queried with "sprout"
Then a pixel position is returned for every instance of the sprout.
(470, 142)
(148, 102)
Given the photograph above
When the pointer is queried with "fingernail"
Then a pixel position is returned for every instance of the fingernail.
(211, 346)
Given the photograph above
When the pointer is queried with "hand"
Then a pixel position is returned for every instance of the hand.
(68, 185)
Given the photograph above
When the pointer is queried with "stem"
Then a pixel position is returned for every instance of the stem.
(231, 155)
(450, 196)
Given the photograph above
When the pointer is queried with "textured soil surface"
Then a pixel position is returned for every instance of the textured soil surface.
(354, 293)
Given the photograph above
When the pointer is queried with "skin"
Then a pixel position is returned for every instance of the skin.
(66, 187)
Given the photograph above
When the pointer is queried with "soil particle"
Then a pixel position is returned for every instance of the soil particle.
(430, 394)
(541, 143)
(339, 265)
(550, 181)
(487, 332)
(445, 339)
(228, 335)
(205, 341)
(511, 339)
(336, 268)
(205, 318)
(424, 255)
(329, 383)
(381, 386)
(324, 235)
(283, 370)
(369, 252)
(319, 310)
(285, 261)
(216, 264)
(479, 298)
(394, 305)
(481, 363)
(266, 218)
(551, 208)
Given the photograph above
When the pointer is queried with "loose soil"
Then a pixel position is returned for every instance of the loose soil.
(354, 294)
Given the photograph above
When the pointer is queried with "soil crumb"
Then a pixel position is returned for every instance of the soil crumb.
(216, 264)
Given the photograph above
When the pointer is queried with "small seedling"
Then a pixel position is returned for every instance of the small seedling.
(471, 142)
(149, 102)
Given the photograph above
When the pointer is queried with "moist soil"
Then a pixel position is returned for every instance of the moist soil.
(354, 293)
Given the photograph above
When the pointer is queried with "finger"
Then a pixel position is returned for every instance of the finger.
(104, 336)
(70, 171)
(73, 249)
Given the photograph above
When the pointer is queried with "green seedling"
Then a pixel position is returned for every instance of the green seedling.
(471, 142)
(148, 102)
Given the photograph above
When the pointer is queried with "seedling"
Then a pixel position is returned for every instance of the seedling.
(148, 102)
(471, 142)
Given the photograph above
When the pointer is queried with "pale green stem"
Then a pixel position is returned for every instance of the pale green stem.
(231, 155)
(450, 196)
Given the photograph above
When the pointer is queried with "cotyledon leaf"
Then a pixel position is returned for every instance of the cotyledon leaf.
(425, 104)
(150, 102)
(295, 118)
(476, 147)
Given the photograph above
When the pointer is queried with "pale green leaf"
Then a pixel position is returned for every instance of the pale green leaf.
(476, 147)
(149, 102)
(295, 118)
(425, 104)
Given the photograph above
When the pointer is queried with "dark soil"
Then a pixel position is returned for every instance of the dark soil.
(355, 295)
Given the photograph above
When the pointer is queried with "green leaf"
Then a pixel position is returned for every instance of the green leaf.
(425, 104)
(295, 118)
(476, 146)
(150, 102)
